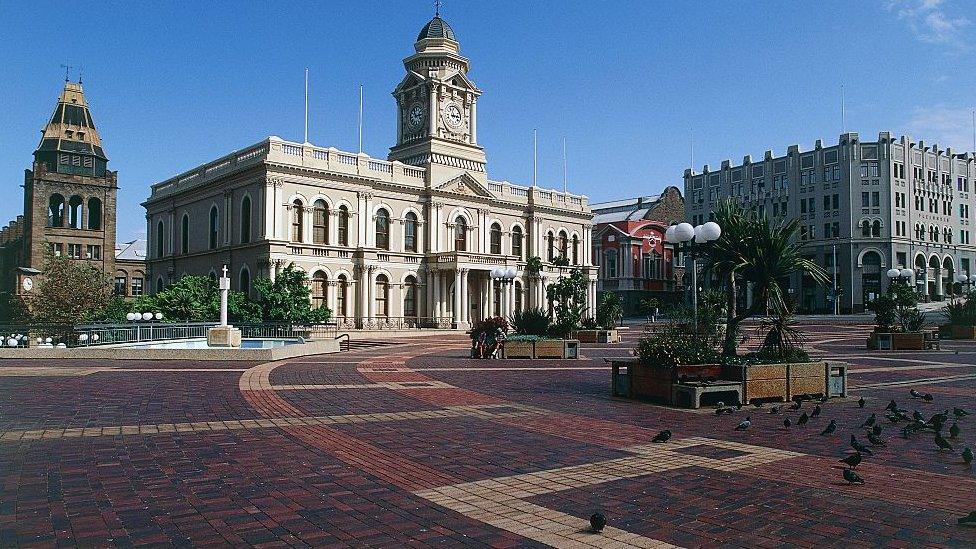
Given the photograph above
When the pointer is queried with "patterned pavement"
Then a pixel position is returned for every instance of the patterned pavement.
(414, 445)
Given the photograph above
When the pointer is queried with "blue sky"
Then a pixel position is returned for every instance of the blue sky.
(175, 84)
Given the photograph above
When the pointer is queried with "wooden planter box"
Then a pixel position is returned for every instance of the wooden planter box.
(897, 341)
(596, 336)
(519, 349)
(546, 348)
(952, 331)
(807, 379)
(760, 381)
(631, 379)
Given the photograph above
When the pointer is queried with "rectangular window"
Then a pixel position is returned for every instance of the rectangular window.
(875, 199)
(74, 251)
(836, 201)
(826, 230)
(864, 200)
(136, 286)
(57, 249)
(120, 285)
(94, 252)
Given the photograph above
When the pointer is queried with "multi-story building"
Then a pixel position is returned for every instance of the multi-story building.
(863, 208)
(69, 200)
(410, 238)
(635, 261)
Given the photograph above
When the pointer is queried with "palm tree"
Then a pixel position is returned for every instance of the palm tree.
(753, 250)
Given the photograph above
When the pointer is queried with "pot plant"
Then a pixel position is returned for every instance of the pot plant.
(603, 328)
(960, 318)
(898, 322)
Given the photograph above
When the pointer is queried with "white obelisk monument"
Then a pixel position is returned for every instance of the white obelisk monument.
(224, 335)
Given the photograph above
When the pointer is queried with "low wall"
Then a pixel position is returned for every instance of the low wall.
(129, 353)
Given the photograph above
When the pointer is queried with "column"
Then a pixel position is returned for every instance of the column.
(280, 212)
(457, 298)
(369, 236)
(332, 287)
(465, 300)
(307, 224)
(474, 122)
(436, 292)
(370, 301)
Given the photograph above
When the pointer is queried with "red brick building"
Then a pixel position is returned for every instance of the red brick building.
(628, 245)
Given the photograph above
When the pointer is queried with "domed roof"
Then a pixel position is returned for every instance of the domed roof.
(436, 28)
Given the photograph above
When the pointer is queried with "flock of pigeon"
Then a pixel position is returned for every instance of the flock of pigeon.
(914, 424)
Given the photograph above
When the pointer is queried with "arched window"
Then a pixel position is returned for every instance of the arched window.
(74, 212)
(383, 229)
(159, 240)
(410, 297)
(563, 245)
(518, 296)
(214, 228)
(517, 242)
(496, 239)
(320, 284)
(320, 222)
(341, 287)
(55, 211)
(246, 220)
(245, 285)
(460, 234)
(410, 232)
(185, 234)
(876, 228)
(297, 221)
(159, 284)
(343, 225)
(575, 250)
(551, 241)
(865, 228)
(94, 214)
(382, 296)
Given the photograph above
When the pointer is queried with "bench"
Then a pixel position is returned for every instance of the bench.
(691, 392)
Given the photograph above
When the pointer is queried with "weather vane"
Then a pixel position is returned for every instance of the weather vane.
(437, 8)
(66, 68)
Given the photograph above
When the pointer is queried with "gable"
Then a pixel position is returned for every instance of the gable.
(464, 184)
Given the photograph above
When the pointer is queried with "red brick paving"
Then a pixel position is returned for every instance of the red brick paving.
(352, 484)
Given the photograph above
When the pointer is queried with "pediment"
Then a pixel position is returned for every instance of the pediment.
(410, 80)
(464, 184)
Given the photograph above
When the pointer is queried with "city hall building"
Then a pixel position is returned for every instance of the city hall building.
(863, 208)
(412, 240)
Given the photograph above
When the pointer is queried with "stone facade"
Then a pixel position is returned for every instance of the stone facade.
(386, 243)
(69, 200)
(873, 205)
(634, 228)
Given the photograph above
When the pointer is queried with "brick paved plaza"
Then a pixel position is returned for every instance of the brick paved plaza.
(410, 444)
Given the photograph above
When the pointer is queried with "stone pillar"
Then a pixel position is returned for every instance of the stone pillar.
(436, 293)
(307, 224)
(368, 294)
(456, 313)
(465, 299)
(280, 211)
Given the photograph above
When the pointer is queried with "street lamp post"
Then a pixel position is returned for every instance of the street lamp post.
(965, 281)
(503, 276)
(900, 275)
(689, 240)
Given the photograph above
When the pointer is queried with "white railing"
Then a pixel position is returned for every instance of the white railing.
(293, 150)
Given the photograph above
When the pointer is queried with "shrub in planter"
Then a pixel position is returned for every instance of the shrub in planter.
(590, 323)
(609, 311)
(533, 321)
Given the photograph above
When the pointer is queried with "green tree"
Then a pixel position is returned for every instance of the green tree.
(568, 297)
(288, 298)
(753, 250)
(609, 311)
(69, 292)
(190, 299)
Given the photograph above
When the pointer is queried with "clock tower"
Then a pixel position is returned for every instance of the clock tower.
(436, 109)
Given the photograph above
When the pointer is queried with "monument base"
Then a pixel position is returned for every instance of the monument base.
(224, 336)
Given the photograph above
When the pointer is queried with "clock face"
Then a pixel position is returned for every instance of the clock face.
(452, 116)
(416, 116)
(28, 284)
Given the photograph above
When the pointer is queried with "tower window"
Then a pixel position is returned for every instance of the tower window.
(94, 214)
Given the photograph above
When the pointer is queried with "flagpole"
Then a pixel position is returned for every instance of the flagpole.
(306, 104)
(565, 173)
(360, 118)
(535, 158)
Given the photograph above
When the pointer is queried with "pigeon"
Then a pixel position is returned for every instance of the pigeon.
(774, 410)
(967, 456)
(824, 398)
(816, 411)
(860, 447)
(954, 430)
(959, 412)
(915, 393)
(787, 422)
(908, 430)
(852, 478)
(860, 402)
(892, 406)
(831, 427)
(870, 421)
(927, 397)
(877, 429)
(852, 460)
(917, 416)
(942, 443)
(746, 423)
(875, 440)
(804, 418)
(597, 522)
(796, 405)
(757, 404)
(719, 411)
(729, 411)
(968, 519)
(663, 436)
